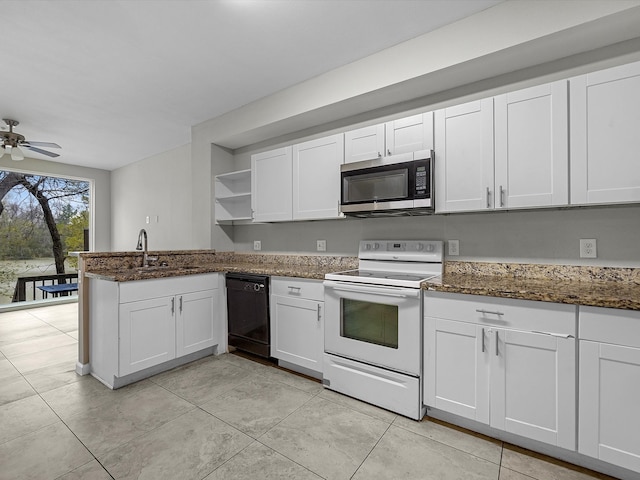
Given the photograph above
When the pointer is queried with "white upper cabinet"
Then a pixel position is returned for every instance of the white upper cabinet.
(409, 134)
(316, 178)
(605, 124)
(397, 137)
(364, 144)
(532, 147)
(271, 194)
(522, 163)
(464, 157)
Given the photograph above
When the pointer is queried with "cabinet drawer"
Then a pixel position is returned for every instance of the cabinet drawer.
(163, 287)
(297, 288)
(502, 312)
(610, 325)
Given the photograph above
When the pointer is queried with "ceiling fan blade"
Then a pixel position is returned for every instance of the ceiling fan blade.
(39, 150)
(29, 143)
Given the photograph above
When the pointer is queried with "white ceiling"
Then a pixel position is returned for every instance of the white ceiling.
(114, 82)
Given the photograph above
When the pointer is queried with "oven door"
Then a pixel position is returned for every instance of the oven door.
(377, 325)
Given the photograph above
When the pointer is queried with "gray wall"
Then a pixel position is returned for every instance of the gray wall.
(534, 236)
(158, 187)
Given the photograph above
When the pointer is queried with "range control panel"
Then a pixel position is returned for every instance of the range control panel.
(401, 250)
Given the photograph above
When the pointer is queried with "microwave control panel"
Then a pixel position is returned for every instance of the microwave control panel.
(421, 180)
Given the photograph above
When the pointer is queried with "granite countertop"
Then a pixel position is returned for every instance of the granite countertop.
(578, 285)
(125, 266)
(598, 287)
(274, 269)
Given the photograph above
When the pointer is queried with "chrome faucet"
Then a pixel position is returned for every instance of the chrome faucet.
(145, 257)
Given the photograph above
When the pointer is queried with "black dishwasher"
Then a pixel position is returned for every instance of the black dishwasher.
(248, 312)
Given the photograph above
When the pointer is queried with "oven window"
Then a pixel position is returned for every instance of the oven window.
(377, 186)
(370, 322)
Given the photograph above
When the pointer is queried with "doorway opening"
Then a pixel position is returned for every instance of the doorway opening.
(44, 221)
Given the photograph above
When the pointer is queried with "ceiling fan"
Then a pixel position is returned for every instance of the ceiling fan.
(12, 143)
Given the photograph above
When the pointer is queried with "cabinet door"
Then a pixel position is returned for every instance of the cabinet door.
(297, 331)
(316, 178)
(195, 321)
(409, 134)
(364, 144)
(457, 368)
(532, 147)
(533, 386)
(605, 121)
(147, 334)
(609, 398)
(464, 157)
(271, 194)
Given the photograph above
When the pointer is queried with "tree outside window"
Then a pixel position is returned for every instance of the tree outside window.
(42, 219)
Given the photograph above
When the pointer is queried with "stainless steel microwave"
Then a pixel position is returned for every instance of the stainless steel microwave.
(388, 186)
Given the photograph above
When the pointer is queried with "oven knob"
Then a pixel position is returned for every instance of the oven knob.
(430, 247)
(367, 246)
(419, 247)
(376, 246)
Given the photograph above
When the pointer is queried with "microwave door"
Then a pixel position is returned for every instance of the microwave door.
(376, 186)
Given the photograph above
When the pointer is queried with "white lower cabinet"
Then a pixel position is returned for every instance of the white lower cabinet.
(297, 323)
(142, 324)
(506, 363)
(456, 368)
(195, 321)
(609, 423)
(146, 334)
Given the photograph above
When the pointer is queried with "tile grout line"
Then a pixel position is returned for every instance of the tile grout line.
(76, 437)
(499, 464)
(372, 449)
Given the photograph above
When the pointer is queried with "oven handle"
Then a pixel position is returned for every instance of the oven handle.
(374, 289)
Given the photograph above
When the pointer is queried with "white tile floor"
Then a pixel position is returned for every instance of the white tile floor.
(218, 418)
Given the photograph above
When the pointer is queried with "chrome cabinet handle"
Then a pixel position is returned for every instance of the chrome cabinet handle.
(497, 343)
(388, 152)
(483, 340)
(553, 334)
(180, 303)
(488, 198)
(379, 155)
(501, 196)
(319, 317)
(173, 306)
(488, 312)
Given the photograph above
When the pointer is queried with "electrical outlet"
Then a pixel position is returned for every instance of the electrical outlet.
(321, 245)
(588, 248)
(454, 247)
(257, 245)
(147, 220)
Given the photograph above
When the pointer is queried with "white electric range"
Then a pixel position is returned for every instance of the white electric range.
(373, 324)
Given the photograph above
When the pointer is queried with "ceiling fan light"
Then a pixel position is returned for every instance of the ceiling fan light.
(17, 154)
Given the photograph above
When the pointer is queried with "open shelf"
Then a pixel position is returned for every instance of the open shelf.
(233, 196)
